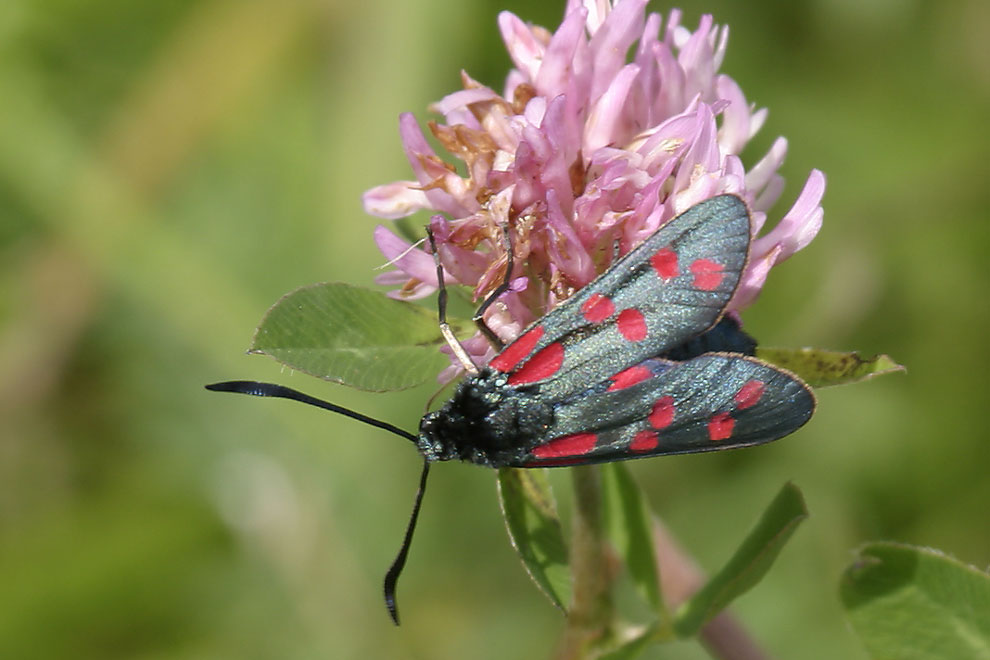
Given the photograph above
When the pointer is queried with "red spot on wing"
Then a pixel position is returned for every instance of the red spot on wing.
(664, 262)
(568, 446)
(597, 308)
(513, 354)
(749, 394)
(539, 367)
(708, 275)
(632, 325)
(629, 377)
(720, 426)
(644, 441)
(662, 414)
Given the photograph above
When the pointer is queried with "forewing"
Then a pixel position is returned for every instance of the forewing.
(674, 286)
(712, 402)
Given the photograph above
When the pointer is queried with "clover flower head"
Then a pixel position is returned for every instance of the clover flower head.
(585, 153)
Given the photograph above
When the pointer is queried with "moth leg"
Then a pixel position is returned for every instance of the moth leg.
(479, 316)
(448, 334)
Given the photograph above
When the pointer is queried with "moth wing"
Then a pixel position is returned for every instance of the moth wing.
(672, 287)
(712, 402)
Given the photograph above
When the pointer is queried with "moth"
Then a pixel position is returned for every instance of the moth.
(640, 362)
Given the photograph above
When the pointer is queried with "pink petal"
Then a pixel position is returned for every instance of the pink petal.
(756, 121)
(800, 225)
(611, 42)
(459, 264)
(536, 110)
(604, 125)
(426, 165)
(526, 177)
(416, 292)
(508, 316)
(735, 130)
(395, 200)
(701, 188)
(648, 38)
(458, 102)
(670, 140)
(555, 174)
(512, 81)
(576, 105)
(733, 174)
(392, 278)
(767, 197)
(598, 12)
(760, 174)
(499, 206)
(650, 213)
(565, 248)
(618, 169)
(703, 153)
(753, 279)
(697, 60)
(410, 260)
(649, 78)
(589, 211)
(757, 220)
(524, 49)
(673, 26)
(558, 62)
(719, 50)
(672, 98)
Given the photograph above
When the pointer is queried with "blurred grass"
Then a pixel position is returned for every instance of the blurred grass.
(169, 168)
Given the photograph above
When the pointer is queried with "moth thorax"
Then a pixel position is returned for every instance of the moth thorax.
(485, 422)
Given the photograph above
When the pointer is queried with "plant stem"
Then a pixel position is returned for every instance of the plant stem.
(589, 616)
(723, 637)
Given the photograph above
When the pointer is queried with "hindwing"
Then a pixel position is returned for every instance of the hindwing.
(711, 402)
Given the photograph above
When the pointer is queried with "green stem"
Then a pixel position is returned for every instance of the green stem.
(723, 637)
(589, 617)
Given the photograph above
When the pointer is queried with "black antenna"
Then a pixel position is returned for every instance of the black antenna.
(280, 391)
(255, 388)
(400, 559)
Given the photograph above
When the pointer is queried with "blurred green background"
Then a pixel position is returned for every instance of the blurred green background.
(169, 168)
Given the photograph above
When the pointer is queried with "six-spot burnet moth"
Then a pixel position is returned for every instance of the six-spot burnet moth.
(640, 362)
